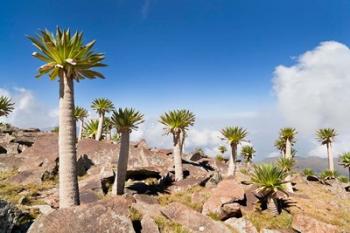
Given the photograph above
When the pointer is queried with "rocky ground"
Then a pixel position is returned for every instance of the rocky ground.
(202, 202)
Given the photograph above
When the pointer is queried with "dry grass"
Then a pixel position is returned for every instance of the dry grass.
(185, 198)
(167, 226)
(324, 205)
(14, 192)
(265, 219)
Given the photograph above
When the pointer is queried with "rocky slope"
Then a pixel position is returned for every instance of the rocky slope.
(203, 202)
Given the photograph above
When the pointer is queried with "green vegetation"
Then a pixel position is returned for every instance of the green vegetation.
(185, 198)
(6, 106)
(176, 123)
(270, 180)
(328, 175)
(101, 106)
(343, 179)
(265, 220)
(13, 192)
(345, 161)
(90, 129)
(167, 226)
(247, 152)
(134, 214)
(326, 137)
(214, 216)
(308, 172)
(219, 158)
(234, 135)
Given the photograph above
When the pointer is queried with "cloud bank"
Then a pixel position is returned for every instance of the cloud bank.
(29, 111)
(314, 93)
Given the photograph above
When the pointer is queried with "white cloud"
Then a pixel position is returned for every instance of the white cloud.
(314, 92)
(29, 111)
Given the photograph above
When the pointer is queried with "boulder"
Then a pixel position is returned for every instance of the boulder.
(44, 209)
(306, 224)
(313, 178)
(241, 225)
(192, 220)
(13, 220)
(230, 210)
(148, 225)
(228, 191)
(104, 216)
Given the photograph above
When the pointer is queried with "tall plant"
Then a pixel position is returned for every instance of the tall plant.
(176, 123)
(125, 120)
(67, 58)
(326, 137)
(234, 136)
(101, 106)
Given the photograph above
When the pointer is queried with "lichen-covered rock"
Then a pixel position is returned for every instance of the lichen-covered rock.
(13, 220)
(104, 216)
(228, 191)
(306, 224)
(241, 225)
(192, 220)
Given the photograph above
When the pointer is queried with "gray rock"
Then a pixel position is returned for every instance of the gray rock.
(13, 220)
(241, 225)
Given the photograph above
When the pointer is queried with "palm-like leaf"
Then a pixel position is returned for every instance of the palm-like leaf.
(102, 105)
(80, 113)
(108, 124)
(345, 159)
(66, 53)
(126, 119)
(326, 136)
(234, 134)
(286, 164)
(177, 120)
(222, 149)
(247, 152)
(90, 128)
(288, 133)
(280, 144)
(6, 106)
(269, 179)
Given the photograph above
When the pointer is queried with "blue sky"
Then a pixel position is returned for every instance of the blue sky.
(216, 58)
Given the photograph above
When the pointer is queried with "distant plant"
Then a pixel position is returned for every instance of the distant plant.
(6, 106)
(200, 151)
(234, 135)
(116, 138)
(308, 172)
(222, 149)
(247, 152)
(328, 175)
(343, 179)
(270, 181)
(345, 161)
(286, 164)
(107, 128)
(90, 129)
(176, 123)
(55, 130)
(101, 106)
(288, 136)
(219, 157)
(80, 114)
(326, 137)
(125, 121)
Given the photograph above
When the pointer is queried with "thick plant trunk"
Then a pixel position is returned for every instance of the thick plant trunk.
(81, 130)
(119, 182)
(349, 173)
(330, 157)
(289, 186)
(272, 205)
(177, 158)
(232, 161)
(100, 127)
(288, 149)
(68, 181)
